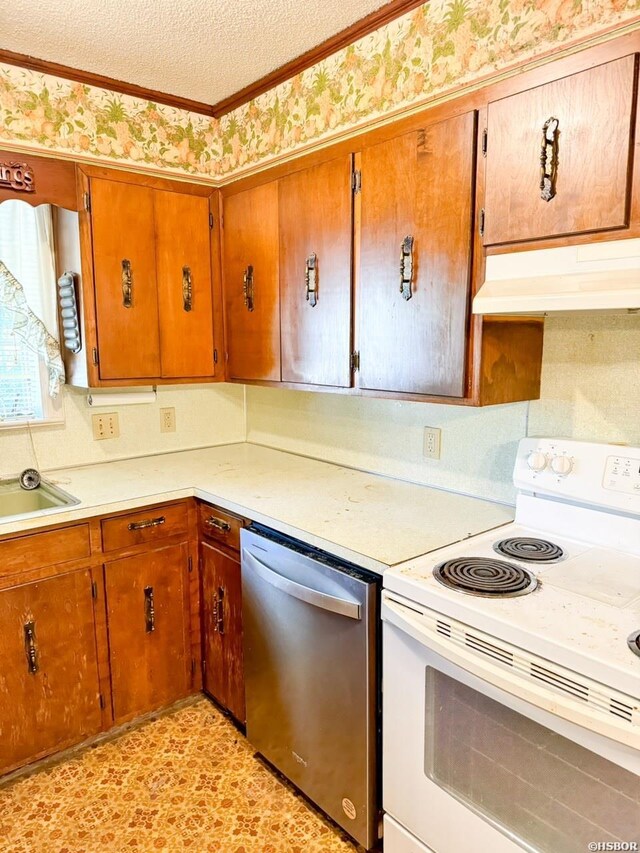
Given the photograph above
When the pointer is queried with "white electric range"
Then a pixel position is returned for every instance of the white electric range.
(511, 669)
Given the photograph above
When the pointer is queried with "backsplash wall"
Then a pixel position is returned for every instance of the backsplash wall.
(205, 415)
(590, 391)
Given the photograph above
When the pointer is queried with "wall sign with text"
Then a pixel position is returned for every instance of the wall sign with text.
(18, 177)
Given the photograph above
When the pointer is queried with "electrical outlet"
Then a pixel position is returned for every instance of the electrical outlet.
(105, 426)
(168, 419)
(432, 442)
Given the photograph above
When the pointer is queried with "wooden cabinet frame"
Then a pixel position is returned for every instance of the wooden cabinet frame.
(504, 354)
(83, 369)
(93, 564)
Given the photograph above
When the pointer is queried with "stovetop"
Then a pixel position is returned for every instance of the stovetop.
(581, 613)
(582, 604)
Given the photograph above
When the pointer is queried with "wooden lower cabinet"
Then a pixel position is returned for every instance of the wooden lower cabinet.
(221, 607)
(149, 631)
(49, 686)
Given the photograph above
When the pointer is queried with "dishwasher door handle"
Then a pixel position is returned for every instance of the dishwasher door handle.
(341, 606)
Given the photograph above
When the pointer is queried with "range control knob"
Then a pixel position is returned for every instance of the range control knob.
(562, 465)
(537, 460)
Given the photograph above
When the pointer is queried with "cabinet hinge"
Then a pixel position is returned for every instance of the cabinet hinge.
(86, 202)
(190, 563)
(215, 356)
(481, 225)
(484, 142)
(355, 361)
(211, 220)
(101, 701)
(96, 360)
(356, 181)
(94, 589)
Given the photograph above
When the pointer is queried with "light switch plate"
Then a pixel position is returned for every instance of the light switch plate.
(431, 449)
(105, 425)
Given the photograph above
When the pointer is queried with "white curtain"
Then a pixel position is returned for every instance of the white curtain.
(28, 282)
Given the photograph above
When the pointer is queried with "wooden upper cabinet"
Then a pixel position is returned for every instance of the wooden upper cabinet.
(152, 265)
(49, 687)
(417, 193)
(315, 215)
(183, 259)
(587, 123)
(124, 263)
(250, 272)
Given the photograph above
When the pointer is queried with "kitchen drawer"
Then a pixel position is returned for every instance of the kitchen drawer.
(221, 526)
(36, 550)
(145, 525)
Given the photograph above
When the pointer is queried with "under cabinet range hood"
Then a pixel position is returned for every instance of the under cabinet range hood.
(592, 277)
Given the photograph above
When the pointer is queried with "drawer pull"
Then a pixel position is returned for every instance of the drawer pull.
(218, 524)
(30, 646)
(406, 267)
(150, 522)
(149, 610)
(311, 279)
(247, 288)
(187, 289)
(217, 610)
(549, 159)
(127, 283)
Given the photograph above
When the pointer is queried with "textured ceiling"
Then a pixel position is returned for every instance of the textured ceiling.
(201, 50)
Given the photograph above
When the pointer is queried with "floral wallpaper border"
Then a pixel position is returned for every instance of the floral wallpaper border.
(426, 54)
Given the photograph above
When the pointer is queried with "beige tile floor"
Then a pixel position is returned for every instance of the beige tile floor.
(186, 781)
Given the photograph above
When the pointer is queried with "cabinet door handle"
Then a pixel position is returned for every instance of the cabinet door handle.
(30, 646)
(549, 158)
(149, 610)
(311, 279)
(218, 610)
(214, 611)
(218, 524)
(187, 290)
(149, 522)
(127, 284)
(406, 267)
(247, 288)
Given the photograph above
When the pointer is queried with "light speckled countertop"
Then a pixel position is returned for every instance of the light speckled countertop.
(371, 520)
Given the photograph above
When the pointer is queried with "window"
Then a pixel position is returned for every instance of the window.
(30, 365)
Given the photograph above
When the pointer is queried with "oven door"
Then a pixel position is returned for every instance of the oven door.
(476, 758)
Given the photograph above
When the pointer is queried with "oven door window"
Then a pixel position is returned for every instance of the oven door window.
(544, 791)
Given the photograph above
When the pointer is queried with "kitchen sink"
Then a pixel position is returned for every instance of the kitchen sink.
(16, 501)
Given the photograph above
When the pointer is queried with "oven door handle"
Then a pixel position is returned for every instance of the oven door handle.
(409, 621)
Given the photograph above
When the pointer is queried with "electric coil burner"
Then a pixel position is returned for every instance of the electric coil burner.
(529, 550)
(485, 577)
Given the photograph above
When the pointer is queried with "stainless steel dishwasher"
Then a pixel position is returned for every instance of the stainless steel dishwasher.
(311, 671)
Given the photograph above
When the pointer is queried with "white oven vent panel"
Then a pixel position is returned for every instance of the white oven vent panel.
(533, 668)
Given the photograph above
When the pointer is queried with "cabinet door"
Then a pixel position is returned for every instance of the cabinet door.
(49, 688)
(222, 630)
(147, 612)
(315, 253)
(594, 110)
(418, 186)
(183, 255)
(250, 270)
(124, 253)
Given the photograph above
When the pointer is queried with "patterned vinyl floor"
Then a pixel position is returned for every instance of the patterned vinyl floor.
(186, 781)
